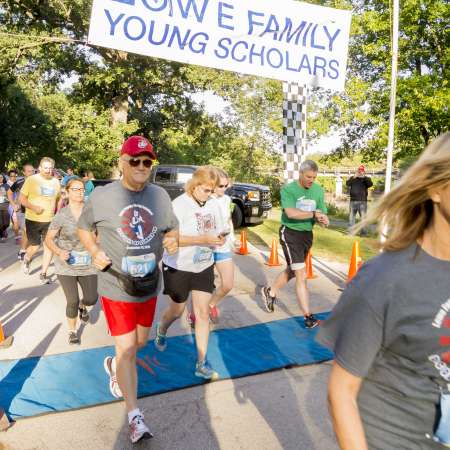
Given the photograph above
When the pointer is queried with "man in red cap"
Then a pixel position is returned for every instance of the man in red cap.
(358, 186)
(125, 226)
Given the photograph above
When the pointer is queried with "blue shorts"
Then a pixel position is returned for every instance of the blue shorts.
(222, 256)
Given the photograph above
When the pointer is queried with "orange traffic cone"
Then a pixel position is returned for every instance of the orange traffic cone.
(5, 342)
(243, 250)
(273, 258)
(355, 262)
(309, 269)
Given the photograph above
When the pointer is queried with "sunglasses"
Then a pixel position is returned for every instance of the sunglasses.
(78, 189)
(223, 185)
(135, 162)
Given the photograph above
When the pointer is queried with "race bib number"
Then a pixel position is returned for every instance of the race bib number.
(305, 204)
(47, 191)
(139, 266)
(79, 259)
(202, 254)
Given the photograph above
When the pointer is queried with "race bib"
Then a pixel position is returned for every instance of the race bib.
(305, 204)
(47, 191)
(79, 259)
(202, 254)
(139, 266)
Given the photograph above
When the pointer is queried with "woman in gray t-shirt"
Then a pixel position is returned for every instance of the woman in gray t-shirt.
(73, 264)
(389, 387)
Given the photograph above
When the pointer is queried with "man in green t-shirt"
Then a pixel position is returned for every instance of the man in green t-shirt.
(302, 204)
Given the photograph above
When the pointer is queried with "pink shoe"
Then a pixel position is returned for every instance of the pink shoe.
(191, 319)
(213, 314)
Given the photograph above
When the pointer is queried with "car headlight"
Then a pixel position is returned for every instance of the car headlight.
(253, 195)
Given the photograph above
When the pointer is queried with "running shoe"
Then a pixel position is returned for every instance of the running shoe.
(20, 255)
(44, 279)
(310, 321)
(204, 370)
(113, 384)
(73, 338)
(213, 314)
(138, 429)
(83, 314)
(26, 266)
(191, 319)
(160, 339)
(269, 300)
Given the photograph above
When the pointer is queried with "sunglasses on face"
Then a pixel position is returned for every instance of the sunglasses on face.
(223, 186)
(135, 162)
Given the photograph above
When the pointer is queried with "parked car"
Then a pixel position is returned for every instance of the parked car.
(252, 201)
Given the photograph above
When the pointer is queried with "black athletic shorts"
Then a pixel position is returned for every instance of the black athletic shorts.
(178, 283)
(295, 245)
(36, 231)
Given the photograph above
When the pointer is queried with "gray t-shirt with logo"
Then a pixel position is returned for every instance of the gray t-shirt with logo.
(131, 227)
(391, 327)
(80, 262)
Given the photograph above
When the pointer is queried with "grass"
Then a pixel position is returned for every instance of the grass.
(331, 243)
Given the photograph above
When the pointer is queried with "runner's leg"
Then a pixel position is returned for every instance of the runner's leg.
(173, 312)
(301, 291)
(226, 273)
(200, 303)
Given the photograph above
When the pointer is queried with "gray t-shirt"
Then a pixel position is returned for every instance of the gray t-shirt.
(391, 327)
(80, 262)
(131, 227)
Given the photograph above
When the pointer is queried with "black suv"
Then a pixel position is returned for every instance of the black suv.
(252, 201)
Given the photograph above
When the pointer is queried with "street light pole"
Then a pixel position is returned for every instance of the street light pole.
(390, 148)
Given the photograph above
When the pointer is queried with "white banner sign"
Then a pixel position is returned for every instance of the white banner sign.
(282, 39)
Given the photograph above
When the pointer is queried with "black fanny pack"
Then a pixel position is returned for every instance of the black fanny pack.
(136, 286)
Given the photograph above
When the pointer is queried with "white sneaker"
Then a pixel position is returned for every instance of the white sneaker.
(110, 369)
(138, 429)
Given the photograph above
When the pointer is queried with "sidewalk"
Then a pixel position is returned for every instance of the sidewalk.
(273, 410)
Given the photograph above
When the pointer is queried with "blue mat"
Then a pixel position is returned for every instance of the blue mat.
(66, 381)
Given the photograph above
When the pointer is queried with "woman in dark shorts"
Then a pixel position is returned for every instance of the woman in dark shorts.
(191, 269)
(389, 387)
(73, 264)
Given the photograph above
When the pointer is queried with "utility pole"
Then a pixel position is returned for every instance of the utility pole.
(390, 148)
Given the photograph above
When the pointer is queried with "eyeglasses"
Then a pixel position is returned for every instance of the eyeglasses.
(78, 189)
(223, 185)
(206, 191)
(135, 162)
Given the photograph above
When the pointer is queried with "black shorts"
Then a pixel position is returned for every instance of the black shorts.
(178, 283)
(36, 231)
(295, 245)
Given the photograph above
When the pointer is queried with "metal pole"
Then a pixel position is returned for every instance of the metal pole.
(390, 148)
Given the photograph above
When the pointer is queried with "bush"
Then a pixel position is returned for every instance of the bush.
(336, 212)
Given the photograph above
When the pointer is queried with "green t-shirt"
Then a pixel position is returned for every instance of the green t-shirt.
(295, 196)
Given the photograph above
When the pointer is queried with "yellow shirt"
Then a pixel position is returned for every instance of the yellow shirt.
(41, 192)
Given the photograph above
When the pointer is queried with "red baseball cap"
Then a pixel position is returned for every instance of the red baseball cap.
(361, 168)
(137, 145)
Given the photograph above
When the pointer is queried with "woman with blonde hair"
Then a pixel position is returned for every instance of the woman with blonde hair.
(390, 330)
(191, 269)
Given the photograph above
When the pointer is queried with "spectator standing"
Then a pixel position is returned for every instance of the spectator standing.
(358, 186)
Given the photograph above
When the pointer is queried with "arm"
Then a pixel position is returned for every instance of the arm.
(343, 388)
(349, 182)
(205, 239)
(27, 204)
(50, 243)
(99, 257)
(294, 213)
(368, 182)
(10, 196)
(171, 241)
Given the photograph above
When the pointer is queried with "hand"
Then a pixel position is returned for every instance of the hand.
(101, 260)
(170, 243)
(16, 207)
(322, 219)
(214, 240)
(38, 209)
(64, 255)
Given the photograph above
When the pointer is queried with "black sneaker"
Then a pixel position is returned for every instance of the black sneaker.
(73, 338)
(44, 279)
(83, 314)
(269, 300)
(21, 255)
(310, 321)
